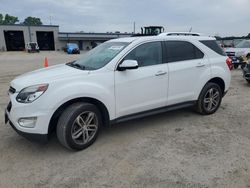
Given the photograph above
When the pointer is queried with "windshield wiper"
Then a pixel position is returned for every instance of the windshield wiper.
(76, 65)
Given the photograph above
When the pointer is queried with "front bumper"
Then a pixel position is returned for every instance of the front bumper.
(40, 138)
(16, 111)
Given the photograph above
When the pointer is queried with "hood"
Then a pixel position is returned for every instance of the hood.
(46, 75)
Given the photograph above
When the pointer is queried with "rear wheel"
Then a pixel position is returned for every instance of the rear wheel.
(210, 99)
(236, 66)
(78, 126)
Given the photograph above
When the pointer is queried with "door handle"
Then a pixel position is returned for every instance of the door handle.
(160, 73)
(201, 65)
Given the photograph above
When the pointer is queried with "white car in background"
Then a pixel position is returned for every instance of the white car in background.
(240, 54)
(119, 80)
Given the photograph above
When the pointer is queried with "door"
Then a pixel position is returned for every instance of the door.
(144, 88)
(14, 40)
(45, 40)
(187, 67)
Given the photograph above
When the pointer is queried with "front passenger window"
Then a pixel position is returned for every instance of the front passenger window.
(146, 54)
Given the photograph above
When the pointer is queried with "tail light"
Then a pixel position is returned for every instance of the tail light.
(229, 63)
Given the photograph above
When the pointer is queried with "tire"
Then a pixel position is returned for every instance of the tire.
(212, 103)
(248, 81)
(74, 131)
(236, 66)
(243, 66)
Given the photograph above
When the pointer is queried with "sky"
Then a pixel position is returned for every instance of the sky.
(211, 17)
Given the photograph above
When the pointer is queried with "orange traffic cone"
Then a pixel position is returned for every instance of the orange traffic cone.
(46, 62)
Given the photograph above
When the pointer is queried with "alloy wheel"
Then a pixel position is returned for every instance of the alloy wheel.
(84, 127)
(212, 99)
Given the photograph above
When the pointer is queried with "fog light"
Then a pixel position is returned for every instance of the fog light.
(29, 122)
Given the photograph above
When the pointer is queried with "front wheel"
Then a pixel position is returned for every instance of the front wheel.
(78, 126)
(210, 99)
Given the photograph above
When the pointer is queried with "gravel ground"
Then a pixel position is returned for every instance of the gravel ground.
(176, 149)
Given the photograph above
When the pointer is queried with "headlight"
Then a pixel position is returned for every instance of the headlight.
(30, 94)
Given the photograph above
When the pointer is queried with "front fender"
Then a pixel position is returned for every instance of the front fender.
(66, 92)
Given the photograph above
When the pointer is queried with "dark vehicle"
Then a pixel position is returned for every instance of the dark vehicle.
(32, 47)
(246, 72)
(72, 48)
(150, 31)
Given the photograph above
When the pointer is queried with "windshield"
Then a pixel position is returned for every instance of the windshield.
(101, 55)
(243, 44)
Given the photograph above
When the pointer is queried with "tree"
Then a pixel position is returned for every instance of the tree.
(32, 21)
(8, 19)
(1, 19)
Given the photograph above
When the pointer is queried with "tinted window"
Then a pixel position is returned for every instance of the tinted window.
(213, 45)
(146, 54)
(181, 51)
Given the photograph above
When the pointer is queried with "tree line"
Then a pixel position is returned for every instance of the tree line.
(11, 20)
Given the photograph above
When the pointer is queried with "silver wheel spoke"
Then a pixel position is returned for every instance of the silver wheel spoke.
(209, 105)
(211, 93)
(85, 136)
(77, 134)
(89, 118)
(215, 102)
(80, 121)
(216, 95)
(206, 100)
(91, 127)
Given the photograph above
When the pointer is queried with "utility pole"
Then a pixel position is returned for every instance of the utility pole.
(50, 20)
(134, 27)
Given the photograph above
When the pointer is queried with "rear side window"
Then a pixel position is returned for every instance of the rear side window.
(213, 45)
(181, 51)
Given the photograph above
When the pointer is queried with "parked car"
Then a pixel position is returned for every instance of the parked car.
(119, 80)
(239, 54)
(32, 47)
(72, 48)
(246, 71)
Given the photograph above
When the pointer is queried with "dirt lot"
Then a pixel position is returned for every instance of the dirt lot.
(176, 149)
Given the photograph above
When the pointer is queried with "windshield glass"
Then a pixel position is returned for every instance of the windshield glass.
(101, 55)
(244, 44)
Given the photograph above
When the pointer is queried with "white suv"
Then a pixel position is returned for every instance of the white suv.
(119, 80)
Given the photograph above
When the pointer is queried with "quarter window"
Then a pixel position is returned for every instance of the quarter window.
(146, 54)
(181, 51)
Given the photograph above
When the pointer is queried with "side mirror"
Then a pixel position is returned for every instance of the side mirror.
(128, 64)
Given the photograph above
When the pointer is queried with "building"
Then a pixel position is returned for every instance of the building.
(14, 37)
(48, 37)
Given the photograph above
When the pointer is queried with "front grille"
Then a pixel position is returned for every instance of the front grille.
(9, 107)
(12, 90)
